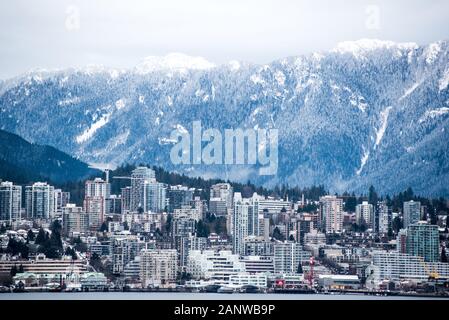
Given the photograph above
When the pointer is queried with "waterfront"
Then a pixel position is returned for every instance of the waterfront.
(194, 296)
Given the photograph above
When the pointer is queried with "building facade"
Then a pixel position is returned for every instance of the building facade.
(39, 201)
(139, 178)
(411, 212)
(423, 240)
(331, 214)
(10, 202)
(158, 267)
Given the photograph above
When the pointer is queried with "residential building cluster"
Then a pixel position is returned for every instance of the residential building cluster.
(155, 235)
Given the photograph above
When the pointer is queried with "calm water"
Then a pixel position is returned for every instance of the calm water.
(190, 296)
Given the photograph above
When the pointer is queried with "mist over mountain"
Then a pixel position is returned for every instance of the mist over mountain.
(368, 112)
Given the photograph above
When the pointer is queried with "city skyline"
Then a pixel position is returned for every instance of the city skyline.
(292, 149)
(269, 244)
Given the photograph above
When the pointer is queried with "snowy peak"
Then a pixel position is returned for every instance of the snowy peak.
(173, 62)
(381, 107)
(361, 47)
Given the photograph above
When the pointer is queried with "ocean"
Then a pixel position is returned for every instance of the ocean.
(193, 296)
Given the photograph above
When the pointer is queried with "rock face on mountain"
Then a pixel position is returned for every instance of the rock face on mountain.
(367, 112)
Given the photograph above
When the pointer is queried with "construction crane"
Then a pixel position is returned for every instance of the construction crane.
(433, 275)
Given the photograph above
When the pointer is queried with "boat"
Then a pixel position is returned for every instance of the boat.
(212, 288)
(4, 289)
(53, 287)
(250, 289)
(225, 289)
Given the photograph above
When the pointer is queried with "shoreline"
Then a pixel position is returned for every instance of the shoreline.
(177, 295)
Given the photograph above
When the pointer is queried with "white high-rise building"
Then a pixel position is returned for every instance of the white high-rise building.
(287, 257)
(364, 213)
(412, 212)
(423, 240)
(384, 216)
(331, 214)
(158, 267)
(245, 223)
(97, 188)
(61, 200)
(139, 178)
(74, 220)
(221, 198)
(126, 200)
(155, 196)
(97, 193)
(10, 201)
(188, 244)
(124, 248)
(95, 208)
(39, 200)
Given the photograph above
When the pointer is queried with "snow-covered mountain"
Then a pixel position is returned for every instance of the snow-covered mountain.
(367, 112)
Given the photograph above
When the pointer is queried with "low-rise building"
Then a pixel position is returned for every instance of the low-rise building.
(394, 266)
(338, 281)
(243, 279)
(214, 265)
(258, 264)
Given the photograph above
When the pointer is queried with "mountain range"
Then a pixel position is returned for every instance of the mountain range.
(24, 162)
(368, 112)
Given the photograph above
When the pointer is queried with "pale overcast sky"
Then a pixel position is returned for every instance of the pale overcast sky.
(60, 33)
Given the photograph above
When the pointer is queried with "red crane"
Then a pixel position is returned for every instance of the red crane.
(311, 263)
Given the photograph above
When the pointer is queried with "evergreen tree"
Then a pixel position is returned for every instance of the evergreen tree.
(409, 195)
(168, 224)
(17, 248)
(30, 235)
(372, 196)
(79, 245)
(51, 246)
(202, 230)
(443, 255)
(350, 204)
(390, 232)
(299, 268)
(397, 224)
(56, 227)
(424, 216)
(363, 226)
(95, 262)
(13, 271)
(277, 234)
(220, 225)
(41, 236)
(433, 218)
(71, 252)
(104, 227)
